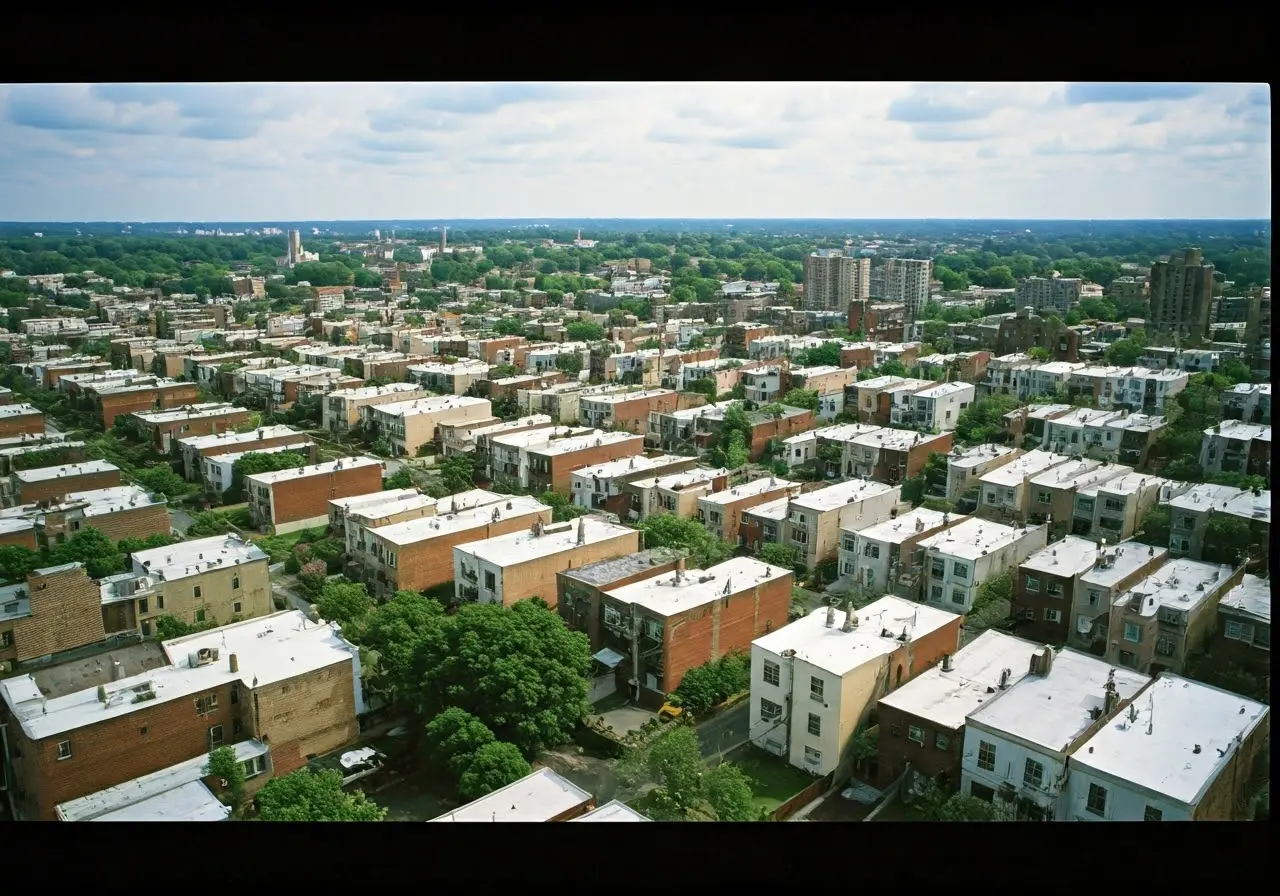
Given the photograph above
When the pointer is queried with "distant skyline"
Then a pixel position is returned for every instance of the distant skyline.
(863, 150)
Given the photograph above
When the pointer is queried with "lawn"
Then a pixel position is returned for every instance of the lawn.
(774, 781)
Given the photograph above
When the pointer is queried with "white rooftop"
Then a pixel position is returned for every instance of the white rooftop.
(443, 523)
(101, 501)
(231, 457)
(893, 439)
(527, 438)
(1175, 740)
(1079, 474)
(770, 510)
(1067, 558)
(977, 455)
(1089, 416)
(538, 797)
(898, 530)
(678, 481)
(833, 497)
(845, 432)
(1181, 584)
(882, 382)
(1238, 430)
(431, 405)
(1201, 497)
(269, 649)
(612, 811)
(622, 466)
(583, 442)
(879, 625)
(616, 397)
(373, 391)
(236, 438)
(947, 698)
(41, 474)
(973, 538)
(323, 469)
(1251, 596)
(191, 558)
(1124, 559)
(469, 500)
(520, 547)
(383, 509)
(749, 490)
(1016, 472)
(675, 592)
(371, 499)
(17, 410)
(942, 390)
(1050, 711)
(192, 411)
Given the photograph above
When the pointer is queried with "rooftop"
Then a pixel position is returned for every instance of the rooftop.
(1174, 740)
(882, 382)
(444, 523)
(1051, 711)
(1137, 423)
(76, 675)
(770, 510)
(101, 501)
(1239, 430)
(538, 797)
(894, 439)
(528, 438)
(381, 510)
(946, 698)
(191, 411)
(977, 455)
(1079, 474)
(581, 443)
(468, 500)
(876, 634)
(431, 405)
(617, 397)
(942, 390)
(17, 410)
(637, 463)
(1086, 416)
(904, 526)
(1252, 596)
(679, 481)
(1068, 557)
(1181, 584)
(612, 811)
(1120, 562)
(675, 592)
(749, 490)
(42, 474)
(270, 649)
(324, 469)
(520, 547)
(1016, 472)
(199, 443)
(835, 496)
(1130, 483)
(974, 537)
(1201, 498)
(845, 432)
(370, 499)
(191, 558)
(373, 391)
(605, 572)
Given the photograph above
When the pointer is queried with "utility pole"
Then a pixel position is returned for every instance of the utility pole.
(790, 657)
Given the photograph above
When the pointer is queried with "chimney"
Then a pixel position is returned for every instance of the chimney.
(582, 530)
(946, 663)
(102, 694)
(850, 618)
(1111, 696)
(831, 616)
(235, 663)
(1004, 676)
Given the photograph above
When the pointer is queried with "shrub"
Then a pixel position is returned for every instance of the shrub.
(714, 682)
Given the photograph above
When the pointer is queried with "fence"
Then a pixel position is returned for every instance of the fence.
(803, 798)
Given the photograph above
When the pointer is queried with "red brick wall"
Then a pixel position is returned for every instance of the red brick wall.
(426, 564)
(308, 715)
(197, 426)
(590, 621)
(633, 416)
(49, 488)
(131, 522)
(22, 424)
(66, 612)
(732, 522)
(26, 538)
(563, 465)
(1037, 629)
(489, 348)
(61, 455)
(861, 358)
(305, 497)
(761, 433)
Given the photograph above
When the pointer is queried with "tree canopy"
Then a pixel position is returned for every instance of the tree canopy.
(306, 795)
(670, 531)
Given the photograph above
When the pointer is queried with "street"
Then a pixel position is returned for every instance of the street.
(721, 733)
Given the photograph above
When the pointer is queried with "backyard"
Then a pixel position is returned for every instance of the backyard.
(773, 780)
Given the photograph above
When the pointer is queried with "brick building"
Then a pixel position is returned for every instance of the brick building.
(675, 493)
(1027, 330)
(721, 512)
(340, 411)
(30, 486)
(20, 420)
(163, 429)
(601, 487)
(119, 512)
(579, 591)
(24, 453)
(281, 680)
(875, 398)
(1243, 634)
(409, 425)
(886, 320)
(764, 427)
(195, 448)
(551, 464)
(107, 404)
(893, 455)
(626, 411)
(288, 500)
(56, 610)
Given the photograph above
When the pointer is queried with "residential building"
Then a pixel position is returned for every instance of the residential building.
(830, 384)
(1049, 295)
(764, 524)
(959, 559)
(966, 466)
(580, 591)
(1044, 588)
(893, 455)
(223, 578)
(1171, 614)
(877, 397)
(195, 449)
(906, 280)
(885, 558)
(289, 500)
(1248, 403)
(119, 512)
(1006, 372)
(341, 408)
(1005, 491)
(409, 425)
(20, 420)
(23, 452)
(43, 483)
(922, 723)
(559, 402)
(279, 680)
(1113, 509)
(882, 320)
(551, 464)
(832, 280)
(937, 408)
(764, 427)
(448, 379)
(402, 508)
(1127, 289)
(163, 429)
(1017, 743)
(418, 555)
(1117, 569)
(614, 810)
(1235, 447)
(960, 367)
(56, 610)
(1181, 296)
(517, 566)
(816, 519)
(721, 512)
(676, 430)
(1135, 434)
(1027, 425)
(1053, 493)
(342, 509)
(1025, 330)
(1242, 637)
(121, 399)
(601, 487)
(473, 438)
(1080, 431)
(1134, 388)
(763, 384)
(815, 682)
(1191, 509)
(1184, 751)
(625, 411)
(541, 796)
(674, 493)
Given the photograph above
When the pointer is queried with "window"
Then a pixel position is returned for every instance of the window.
(215, 736)
(1094, 596)
(960, 570)
(143, 730)
(815, 689)
(1151, 813)
(612, 616)
(64, 750)
(653, 629)
(159, 601)
(991, 497)
(206, 704)
(872, 551)
(935, 592)
(1052, 615)
(772, 673)
(199, 615)
(1033, 584)
(1166, 646)
(235, 695)
(235, 607)
(146, 628)
(942, 742)
(915, 735)
(1033, 774)
(237, 726)
(986, 756)
(255, 766)
(1128, 659)
(142, 606)
(815, 724)
(957, 596)
(812, 756)
(1239, 631)
(1132, 633)
(1044, 497)
(235, 583)
(6, 639)
(1096, 802)
(1054, 589)
(197, 592)
(490, 582)
(770, 711)
(938, 569)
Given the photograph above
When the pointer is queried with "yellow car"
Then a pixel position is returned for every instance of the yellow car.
(672, 709)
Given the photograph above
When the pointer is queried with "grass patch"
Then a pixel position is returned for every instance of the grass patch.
(278, 547)
(238, 516)
(773, 780)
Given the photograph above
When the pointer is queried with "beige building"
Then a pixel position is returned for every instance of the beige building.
(906, 280)
(1005, 491)
(1053, 492)
(675, 493)
(965, 466)
(814, 519)
(832, 280)
(449, 379)
(209, 581)
(1114, 509)
(341, 408)
(408, 425)
(721, 512)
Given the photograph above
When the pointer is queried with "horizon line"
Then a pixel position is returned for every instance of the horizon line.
(268, 221)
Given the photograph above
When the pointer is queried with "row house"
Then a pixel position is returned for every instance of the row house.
(540, 796)
(44, 483)
(107, 404)
(957, 560)
(340, 412)
(963, 367)
(763, 384)
(813, 521)
(448, 379)
(1191, 509)
(721, 513)
(1136, 387)
(966, 466)
(674, 493)
(676, 430)
(1242, 637)
(217, 473)
(1248, 403)
(20, 420)
(521, 565)
(886, 558)
(551, 465)
(206, 370)
(876, 398)
(496, 349)
(625, 411)
(288, 500)
(506, 454)
(934, 409)
(1052, 494)
(50, 373)
(600, 487)
(194, 449)
(1116, 569)
(1024, 330)
(508, 388)
(381, 365)
(543, 357)
(858, 355)
(411, 425)
(1236, 447)
(1005, 492)
(1005, 373)
(164, 429)
(1044, 379)
(559, 402)
(829, 382)
(633, 368)
(1114, 509)
(25, 452)
(827, 448)
(118, 512)
(464, 438)
(65, 743)
(580, 594)
(893, 455)
(883, 320)
(726, 373)
(905, 353)
(398, 506)
(765, 427)
(1081, 431)
(772, 348)
(342, 508)
(739, 336)
(1187, 359)
(816, 682)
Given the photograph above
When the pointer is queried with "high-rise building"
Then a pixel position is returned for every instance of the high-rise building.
(1181, 296)
(906, 280)
(832, 280)
(1049, 295)
(294, 253)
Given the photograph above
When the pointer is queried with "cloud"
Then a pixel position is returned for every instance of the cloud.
(1084, 93)
(1149, 117)
(1059, 148)
(222, 129)
(751, 141)
(945, 133)
(57, 108)
(920, 109)
(400, 145)
(485, 99)
(987, 152)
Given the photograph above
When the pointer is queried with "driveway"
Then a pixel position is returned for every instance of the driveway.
(721, 733)
(626, 718)
(180, 521)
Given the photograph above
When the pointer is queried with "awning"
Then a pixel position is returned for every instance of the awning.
(609, 658)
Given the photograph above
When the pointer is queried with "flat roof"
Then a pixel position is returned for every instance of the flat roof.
(846, 432)
(100, 501)
(1181, 584)
(274, 431)
(902, 527)
(379, 510)
(189, 412)
(895, 439)
(851, 491)
(350, 504)
(1128, 484)
(579, 443)
(942, 390)
(269, 649)
(1079, 474)
(946, 698)
(637, 463)
(879, 625)
(675, 592)
(881, 382)
(373, 391)
(1251, 596)
(1239, 430)
(1050, 711)
(977, 455)
(680, 481)
(469, 500)
(616, 397)
(770, 510)
(604, 572)
(1086, 416)
(614, 810)
(538, 797)
(1137, 423)
(749, 490)
(18, 410)
(232, 456)
(429, 405)
(1121, 562)
(191, 558)
(498, 428)
(1174, 740)
(1201, 498)
(322, 469)
(974, 537)
(41, 474)
(1017, 471)
(527, 438)
(1068, 557)
(520, 547)
(443, 523)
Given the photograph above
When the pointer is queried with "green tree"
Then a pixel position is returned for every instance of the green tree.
(305, 795)
(668, 530)
(395, 630)
(1156, 526)
(785, 555)
(1038, 353)
(570, 363)
(452, 739)
(937, 805)
(714, 682)
(983, 421)
(705, 386)
(583, 331)
(256, 462)
(18, 562)
(345, 603)
(401, 478)
(675, 762)
(163, 480)
(224, 764)
(801, 398)
(457, 473)
(913, 489)
(994, 595)
(825, 355)
(1126, 352)
(99, 554)
(509, 326)
(728, 789)
(1226, 539)
(170, 627)
(494, 766)
(562, 509)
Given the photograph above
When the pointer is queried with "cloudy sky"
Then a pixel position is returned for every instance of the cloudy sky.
(250, 152)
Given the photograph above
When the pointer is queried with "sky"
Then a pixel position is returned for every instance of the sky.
(385, 151)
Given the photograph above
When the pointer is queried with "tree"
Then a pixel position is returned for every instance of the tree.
(937, 805)
(668, 530)
(728, 790)
(994, 596)
(983, 421)
(825, 355)
(170, 627)
(1226, 539)
(1126, 352)
(344, 603)
(570, 363)
(305, 795)
(801, 398)
(224, 764)
(18, 562)
(458, 473)
(675, 761)
(785, 555)
(1038, 353)
(562, 509)
(583, 331)
(395, 630)
(452, 739)
(705, 386)
(509, 326)
(714, 682)
(1156, 526)
(163, 480)
(913, 489)
(256, 462)
(494, 766)
(401, 478)
(99, 554)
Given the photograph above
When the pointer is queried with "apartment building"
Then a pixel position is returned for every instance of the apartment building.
(463, 439)
(1184, 751)
(580, 594)
(559, 402)
(883, 320)
(959, 559)
(408, 505)
(1117, 568)
(816, 519)
(674, 493)
(885, 558)
(122, 511)
(906, 280)
(20, 420)
(725, 373)
(508, 388)
(107, 403)
(893, 455)
(815, 682)
(57, 609)
(448, 379)
(1114, 509)
(830, 384)
(1235, 447)
(279, 680)
(1044, 588)
(1191, 509)
(520, 565)
(409, 425)
(1053, 493)
(662, 626)
(196, 449)
(878, 398)
(600, 487)
(1242, 637)
(936, 408)
(1181, 296)
(289, 500)
(222, 578)
(625, 411)
(1248, 403)
(966, 466)
(163, 429)
(676, 430)
(341, 509)
(44, 483)
(922, 723)
(418, 555)
(763, 384)
(551, 464)
(341, 408)
(1005, 491)
(1024, 330)
(1006, 372)
(1168, 616)
(738, 338)
(1049, 295)
(721, 512)
(832, 280)
(764, 427)
(26, 452)
(507, 454)
(1016, 748)
(960, 367)
(1135, 388)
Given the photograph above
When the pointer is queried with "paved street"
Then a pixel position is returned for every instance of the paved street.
(724, 731)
